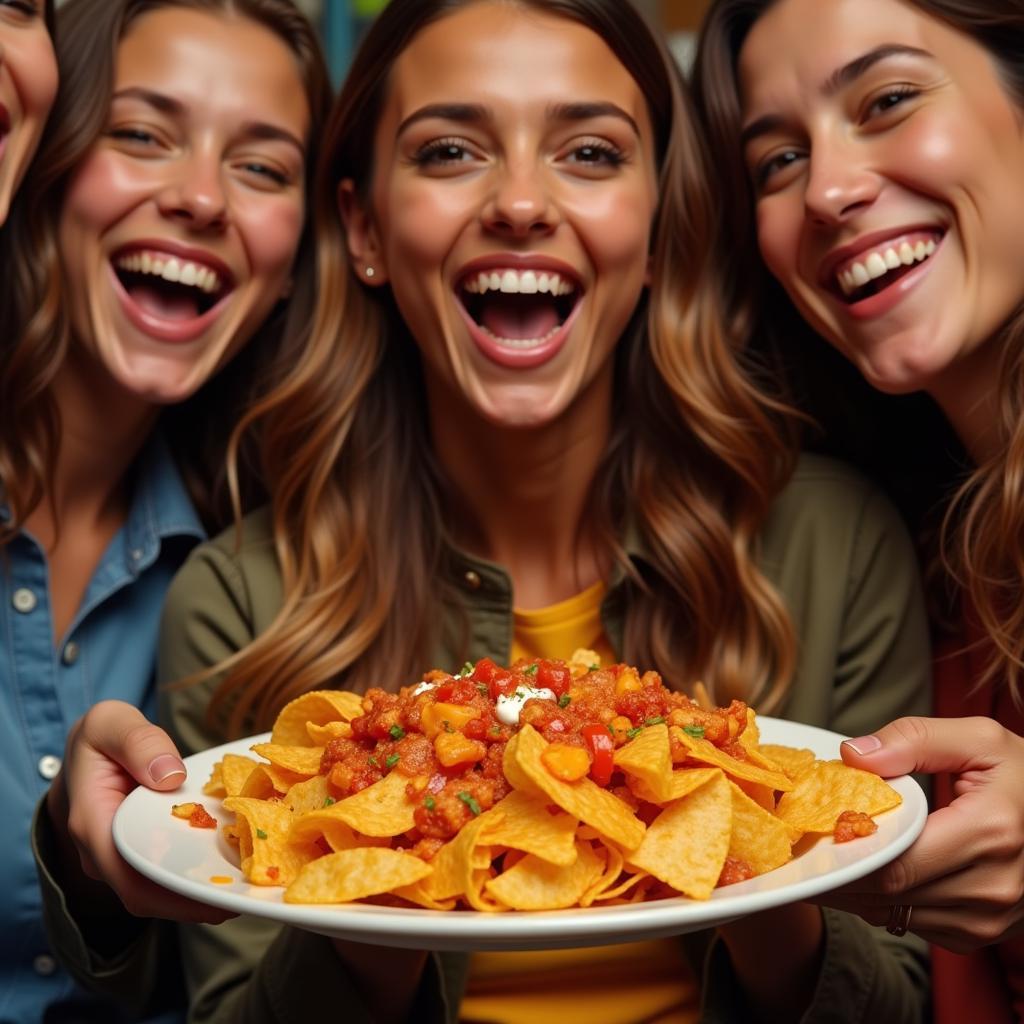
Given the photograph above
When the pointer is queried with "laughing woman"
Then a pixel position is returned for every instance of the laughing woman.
(519, 429)
(155, 238)
(879, 164)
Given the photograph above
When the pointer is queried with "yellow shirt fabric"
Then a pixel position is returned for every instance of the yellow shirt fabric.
(628, 983)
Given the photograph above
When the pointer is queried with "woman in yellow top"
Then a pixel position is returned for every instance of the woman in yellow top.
(519, 394)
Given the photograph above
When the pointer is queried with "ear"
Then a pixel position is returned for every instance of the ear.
(364, 246)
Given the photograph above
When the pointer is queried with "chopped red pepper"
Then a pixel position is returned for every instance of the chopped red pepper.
(602, 752)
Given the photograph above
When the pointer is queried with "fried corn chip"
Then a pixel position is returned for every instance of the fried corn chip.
(354, 874)
(758, 838)
(268, 858)
(235, 770)
(214, 785)
(321, 735)
(318, 707)
(794, 761)
(311, 795)
(826, 789)
(686, 845)
(590, 803)
(382, 809)
(304, 761)
(706, 752)
(456, 861)
(647, 758)
(535, 884)
(528, 825)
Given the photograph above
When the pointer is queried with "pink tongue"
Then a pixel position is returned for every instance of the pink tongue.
(167, 302)
(519, 316)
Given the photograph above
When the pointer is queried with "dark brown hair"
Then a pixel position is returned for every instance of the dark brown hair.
(34, 326)
(981, 534)
(357, 500)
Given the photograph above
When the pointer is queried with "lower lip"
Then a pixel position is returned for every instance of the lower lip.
(520, 358)
(174, 332)
(880, 304)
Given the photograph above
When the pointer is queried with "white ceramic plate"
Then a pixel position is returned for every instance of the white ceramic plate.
(184, 860)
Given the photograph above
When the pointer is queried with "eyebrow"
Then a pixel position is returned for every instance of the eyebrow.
(174, 108)
(839, 79)
(473, 113)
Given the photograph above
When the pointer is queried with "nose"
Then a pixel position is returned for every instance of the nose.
(194, 193)
(839, 183)
(520, 204)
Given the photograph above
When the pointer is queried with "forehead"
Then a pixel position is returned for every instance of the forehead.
(489, 52)
(799, 43)
(212, 61)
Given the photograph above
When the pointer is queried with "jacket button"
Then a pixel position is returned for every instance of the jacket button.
(44, 965)
(70, 653)
(472, 579)
(23, 600)
(48, 766)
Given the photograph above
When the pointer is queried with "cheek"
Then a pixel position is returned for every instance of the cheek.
(615, 229)
(102, 191)
(420, 227)
(272, 230)
(777, 240)
(33, 68)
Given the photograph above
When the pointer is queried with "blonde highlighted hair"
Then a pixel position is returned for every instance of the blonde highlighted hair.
(697, 455)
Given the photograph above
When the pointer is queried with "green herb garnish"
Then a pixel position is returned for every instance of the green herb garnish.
(530, 670)
(593, 668)
(467, 669)
(392, 760)
(260, 834)
(654, 721)
(481, 688)
(635, 731)
(329, 800)
(396, 732)
(373, 762)
(447, 726)
(564, 700)
(696, 731)
(468, 800)
(429, 803)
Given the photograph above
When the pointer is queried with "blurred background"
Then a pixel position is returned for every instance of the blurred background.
(341, 22)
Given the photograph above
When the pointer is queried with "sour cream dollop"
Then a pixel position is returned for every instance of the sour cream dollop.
(423, 687)
(508, 708)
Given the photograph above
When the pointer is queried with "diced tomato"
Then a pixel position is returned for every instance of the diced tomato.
(475, 729)
(555, 676)
(456, 691)
(485, 670)
(502, 684)
(601, 748)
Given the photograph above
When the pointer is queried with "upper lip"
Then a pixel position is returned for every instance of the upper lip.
(520, 261)
(182, 252)
(865, 243)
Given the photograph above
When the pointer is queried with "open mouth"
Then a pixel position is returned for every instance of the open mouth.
(873, 271)
(168, 287)
(519, 309)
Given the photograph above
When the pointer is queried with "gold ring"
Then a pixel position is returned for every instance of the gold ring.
(899, 918)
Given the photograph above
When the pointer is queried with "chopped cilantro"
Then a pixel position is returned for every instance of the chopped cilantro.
(530, 670)
(564, 700)
(696, 731)
(329, 800)
(396, 732)
(447, 726)
(392, 760)
(593, 668)
(481, 688)
(467, 669)
(468, 800)
(636, 730)
(429, 803)
(611, 731)
(260, 834)
(519, 695)
(373, 762)
(655, 721)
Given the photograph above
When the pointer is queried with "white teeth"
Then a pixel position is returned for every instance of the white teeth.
(515, 282)
(875, 266)
(522, 342)
(194, 275)
(879, 263)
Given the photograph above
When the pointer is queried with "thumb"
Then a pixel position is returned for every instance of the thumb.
(120, 733)
(924, 745)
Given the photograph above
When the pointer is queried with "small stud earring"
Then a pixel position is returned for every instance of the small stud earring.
(370, 271)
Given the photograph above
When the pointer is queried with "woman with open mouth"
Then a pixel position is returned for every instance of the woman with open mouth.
(156, 236)
(526, 431)
(873, 152)
(28, 84)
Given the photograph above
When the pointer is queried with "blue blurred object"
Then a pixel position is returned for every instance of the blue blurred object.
(343, 23)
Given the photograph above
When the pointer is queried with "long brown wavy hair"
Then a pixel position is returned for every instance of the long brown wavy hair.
(982, 531)
(34, 326)
(358, 505)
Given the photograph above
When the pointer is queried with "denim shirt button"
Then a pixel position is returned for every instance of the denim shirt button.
(44, 965)
(49, 765)
(70, 653)
(24, 600)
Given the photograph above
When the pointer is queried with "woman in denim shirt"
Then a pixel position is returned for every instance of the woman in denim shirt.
(163, 214)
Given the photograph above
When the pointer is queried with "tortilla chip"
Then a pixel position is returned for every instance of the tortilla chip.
(354, 874)
(535, 884)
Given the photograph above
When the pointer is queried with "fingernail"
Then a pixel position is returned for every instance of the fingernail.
(864, 744)
(163, 767)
